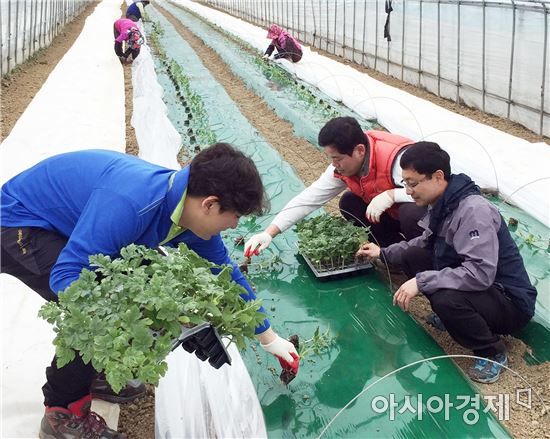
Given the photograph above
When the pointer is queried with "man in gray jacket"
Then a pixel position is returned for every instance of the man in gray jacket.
(465, 262)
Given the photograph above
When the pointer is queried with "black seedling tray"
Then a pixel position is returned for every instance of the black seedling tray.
(330, 273)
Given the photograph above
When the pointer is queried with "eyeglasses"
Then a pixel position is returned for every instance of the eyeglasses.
(411, 186)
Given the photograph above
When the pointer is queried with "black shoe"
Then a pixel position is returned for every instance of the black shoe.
(100, 389)
(61, 423)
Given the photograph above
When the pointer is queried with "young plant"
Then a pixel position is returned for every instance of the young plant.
(330, 242)
(125, 316)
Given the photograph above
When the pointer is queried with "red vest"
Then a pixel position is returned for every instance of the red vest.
(384, 147)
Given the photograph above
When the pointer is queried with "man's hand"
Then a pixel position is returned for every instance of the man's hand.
(285, 353)
(265, 56)
(405, 293)
(256, 244)
(369, 250)
(378, 206)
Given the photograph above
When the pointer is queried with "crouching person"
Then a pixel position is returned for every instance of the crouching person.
(465, 262)
(70, 206)
(126, 31)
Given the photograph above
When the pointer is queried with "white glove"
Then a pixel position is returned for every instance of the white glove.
(260, 239)
(281, 348)
(265, 56)
(378, 206)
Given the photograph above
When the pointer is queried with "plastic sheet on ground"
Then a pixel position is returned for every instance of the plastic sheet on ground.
(371, 337)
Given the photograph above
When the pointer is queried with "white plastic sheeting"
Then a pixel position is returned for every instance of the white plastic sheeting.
(80, 106)
(520, 170)
(194, 400)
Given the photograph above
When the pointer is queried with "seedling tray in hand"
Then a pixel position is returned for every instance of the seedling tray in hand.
(328, 272)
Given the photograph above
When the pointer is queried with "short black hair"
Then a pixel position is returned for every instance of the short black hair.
(344, 134)
(228, 174)
(426, 158)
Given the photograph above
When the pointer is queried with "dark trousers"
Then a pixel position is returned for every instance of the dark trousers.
(29, 253)
(473, 318)
(388, 230)
(118, 47)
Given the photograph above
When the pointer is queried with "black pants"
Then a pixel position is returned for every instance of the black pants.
(29, 253)
(388, 230)
(118, 47)
(473, 318)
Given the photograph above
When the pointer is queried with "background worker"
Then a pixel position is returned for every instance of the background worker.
(365, 163)
(70, 206)
(126, 30)
(465, 262)
(286, 45)
(136, 10)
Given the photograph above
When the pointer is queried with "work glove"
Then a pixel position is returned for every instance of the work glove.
(285, 353)
(378, 206)
(256, 244)
(205, 342)
(265, 56)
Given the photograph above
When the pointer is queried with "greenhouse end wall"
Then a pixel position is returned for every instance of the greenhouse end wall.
(485, 54)
(27, 26)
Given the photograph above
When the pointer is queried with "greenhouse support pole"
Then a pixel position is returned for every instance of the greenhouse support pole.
(16, 31)
(364, 33)
(23, 46)
(483, 48)
(439, 48)
(403, 41)
(420, 43)
(376, 36)
(9, 35)
(344, 32)
(335, 22)
(305, 21)
(544, 55)
(458, 54)
(512, 49)
(353, 37)
(35, 15)
(40, 33)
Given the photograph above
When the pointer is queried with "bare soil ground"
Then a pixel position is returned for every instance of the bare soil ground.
(137, 419)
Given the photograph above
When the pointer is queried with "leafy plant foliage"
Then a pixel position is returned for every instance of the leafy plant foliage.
(329, 241)
(125, 316)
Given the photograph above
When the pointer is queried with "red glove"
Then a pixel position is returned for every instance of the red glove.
(292, 367)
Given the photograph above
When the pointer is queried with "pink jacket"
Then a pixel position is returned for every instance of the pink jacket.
(123, 25)
(280, 38)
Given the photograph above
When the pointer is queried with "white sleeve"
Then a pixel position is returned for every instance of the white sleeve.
(396, 170)
(320, 192)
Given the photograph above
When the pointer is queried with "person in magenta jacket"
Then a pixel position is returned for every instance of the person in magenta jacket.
(286, 45)
(70, 206)
(125, 30)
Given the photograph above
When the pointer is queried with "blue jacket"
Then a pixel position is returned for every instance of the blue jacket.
(133, 10)
(102, 201)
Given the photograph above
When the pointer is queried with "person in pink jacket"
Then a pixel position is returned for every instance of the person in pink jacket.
(126, 30)
(286, 45)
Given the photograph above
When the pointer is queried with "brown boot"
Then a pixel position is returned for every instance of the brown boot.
(61, 423)
(101, 389)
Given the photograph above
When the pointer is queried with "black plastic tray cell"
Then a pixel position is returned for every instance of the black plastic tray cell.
(329, 273)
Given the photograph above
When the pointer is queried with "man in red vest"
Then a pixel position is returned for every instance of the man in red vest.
(367, 164)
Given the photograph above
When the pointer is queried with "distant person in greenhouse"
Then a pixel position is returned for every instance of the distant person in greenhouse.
(126, 31)
(136, 10)
(70, 206)
(465, 262)
(286, 45)
(365, 163)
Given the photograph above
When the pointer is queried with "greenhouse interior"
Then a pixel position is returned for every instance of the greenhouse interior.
(335, 337)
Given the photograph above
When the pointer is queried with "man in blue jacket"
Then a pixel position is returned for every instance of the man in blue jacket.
(70, 206)
(465, 262)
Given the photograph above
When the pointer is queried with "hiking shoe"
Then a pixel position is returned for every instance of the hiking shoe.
(100, 389)
(485, 371)
(434, 320)
(61, 423)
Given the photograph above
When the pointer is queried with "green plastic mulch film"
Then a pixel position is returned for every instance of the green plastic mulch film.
(372, 337)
